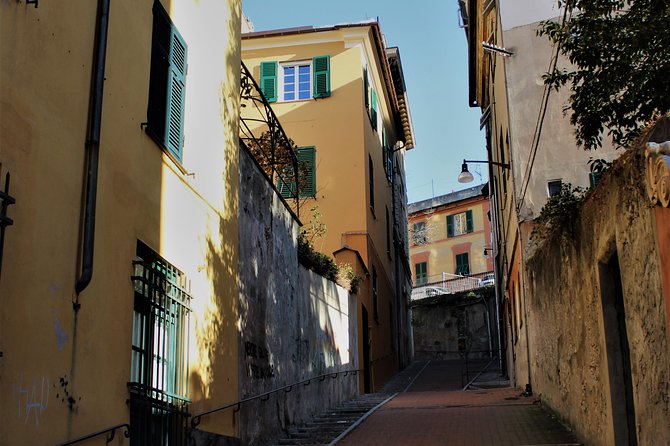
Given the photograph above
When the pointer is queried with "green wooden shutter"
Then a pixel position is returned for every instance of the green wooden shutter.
(384, 154)
(321, 67)
(307, 156)
(366, 89)
(174, 130)
(450, 225)
(468, 221)
(269, 80)
(160, 67)
(286, 183)
(373, 115)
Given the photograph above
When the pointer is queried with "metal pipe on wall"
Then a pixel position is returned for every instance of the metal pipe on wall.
(93, 144)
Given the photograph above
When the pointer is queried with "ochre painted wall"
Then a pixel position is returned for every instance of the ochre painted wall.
(186, 212)
(339, 127)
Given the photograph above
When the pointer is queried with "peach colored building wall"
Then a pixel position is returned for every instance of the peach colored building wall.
(439, 251)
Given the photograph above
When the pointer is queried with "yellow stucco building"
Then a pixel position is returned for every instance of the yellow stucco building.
(340, 95)
(450, 244)
(119, 128)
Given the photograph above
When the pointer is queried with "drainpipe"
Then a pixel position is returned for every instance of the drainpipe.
(93, 145)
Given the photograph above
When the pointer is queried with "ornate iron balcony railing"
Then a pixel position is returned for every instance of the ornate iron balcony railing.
(262, 135)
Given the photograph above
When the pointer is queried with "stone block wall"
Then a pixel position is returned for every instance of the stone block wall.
(293, 323)
(444, 327)
(572, 344)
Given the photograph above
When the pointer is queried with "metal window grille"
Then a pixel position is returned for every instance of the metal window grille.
(159, 360)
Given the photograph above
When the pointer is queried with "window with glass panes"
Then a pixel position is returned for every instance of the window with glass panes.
(462, 264)
(296, 81)
(159, 360)
(421, 273)
(459, 224)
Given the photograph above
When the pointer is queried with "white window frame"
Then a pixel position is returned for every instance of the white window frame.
(280, 80)
(460, 224)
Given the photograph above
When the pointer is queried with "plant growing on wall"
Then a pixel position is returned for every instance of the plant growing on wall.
(309, 257)
(620, 56)
(559, 211)
(348, 278)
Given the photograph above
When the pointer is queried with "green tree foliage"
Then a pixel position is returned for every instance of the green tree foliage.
(620, 56)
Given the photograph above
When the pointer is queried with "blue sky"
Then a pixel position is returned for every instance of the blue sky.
(434, 55)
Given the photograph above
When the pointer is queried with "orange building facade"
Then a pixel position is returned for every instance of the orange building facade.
(450, 241)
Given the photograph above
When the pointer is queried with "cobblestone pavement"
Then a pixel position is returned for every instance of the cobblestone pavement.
(433, 412)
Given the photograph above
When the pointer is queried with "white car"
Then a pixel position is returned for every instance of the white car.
(487, 280)
(428, 291)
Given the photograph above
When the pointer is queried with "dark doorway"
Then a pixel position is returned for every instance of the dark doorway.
(618, 353)
(366, 350)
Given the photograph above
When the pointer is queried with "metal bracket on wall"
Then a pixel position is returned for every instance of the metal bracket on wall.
(5, 201)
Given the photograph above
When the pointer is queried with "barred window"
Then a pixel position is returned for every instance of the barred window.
(159, 360)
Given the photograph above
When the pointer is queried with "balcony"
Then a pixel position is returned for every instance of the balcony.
(445, 283)
(262, 135)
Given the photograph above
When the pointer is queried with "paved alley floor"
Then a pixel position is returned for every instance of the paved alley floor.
(433, 410)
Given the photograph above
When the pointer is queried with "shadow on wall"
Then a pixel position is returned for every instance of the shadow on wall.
(294, 324)
(214, 382)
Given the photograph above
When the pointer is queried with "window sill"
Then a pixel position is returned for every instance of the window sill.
(294, 101)
(164, 149)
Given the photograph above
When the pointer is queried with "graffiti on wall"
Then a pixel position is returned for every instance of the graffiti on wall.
(258, 361)
(32, 398)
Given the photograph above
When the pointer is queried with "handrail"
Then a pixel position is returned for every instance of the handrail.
(195, 421)
(110, 430)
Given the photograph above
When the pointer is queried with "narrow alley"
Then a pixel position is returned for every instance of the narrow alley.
(426, 405)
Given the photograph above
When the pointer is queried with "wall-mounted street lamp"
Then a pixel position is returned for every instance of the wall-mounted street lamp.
(466, 177)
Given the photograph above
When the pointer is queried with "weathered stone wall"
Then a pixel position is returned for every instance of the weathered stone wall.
(293, 323)
(566, 323)
(445, 325)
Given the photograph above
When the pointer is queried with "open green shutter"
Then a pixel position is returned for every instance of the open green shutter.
(307, 156)
(373, 115)
(450, 225)
(269, 80)
(366, 89)
(321, 66)
(468, 221)
(174, 130)
(384, 149)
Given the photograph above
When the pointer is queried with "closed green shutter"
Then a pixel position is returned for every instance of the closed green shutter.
(321, 66)
(421, 273)
(373, 114)
(174, 130)
(269, 80)
(307, 156)
(286, 183)
(450, 225)
(468, 220)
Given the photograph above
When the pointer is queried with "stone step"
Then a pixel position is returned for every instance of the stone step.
(325, 427)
